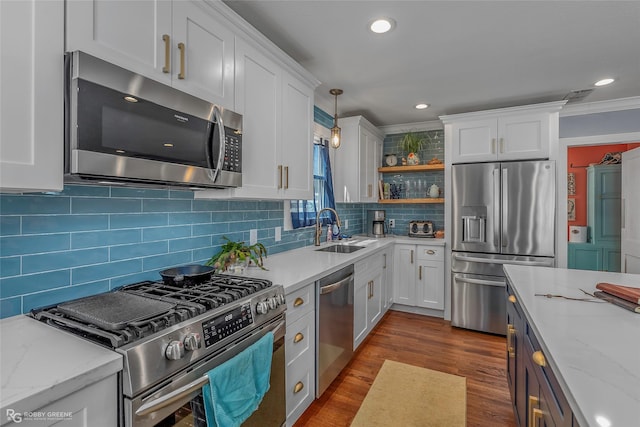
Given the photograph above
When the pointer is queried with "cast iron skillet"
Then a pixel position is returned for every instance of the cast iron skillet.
(187, 275)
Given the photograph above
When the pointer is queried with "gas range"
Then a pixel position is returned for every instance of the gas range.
(165, 331)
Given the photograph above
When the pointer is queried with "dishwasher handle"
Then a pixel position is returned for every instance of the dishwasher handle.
(327, 289)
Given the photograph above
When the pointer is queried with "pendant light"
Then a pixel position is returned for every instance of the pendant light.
(335, 130)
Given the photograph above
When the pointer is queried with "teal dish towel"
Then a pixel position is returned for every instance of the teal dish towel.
(237, 386)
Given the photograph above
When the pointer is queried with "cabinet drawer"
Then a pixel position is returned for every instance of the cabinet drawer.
(557, 404)
(369, 264)
(301, 386)
(301, 302)
(433, 253)
(300, 338)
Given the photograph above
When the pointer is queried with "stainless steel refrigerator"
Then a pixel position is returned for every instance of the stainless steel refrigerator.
(503, 213)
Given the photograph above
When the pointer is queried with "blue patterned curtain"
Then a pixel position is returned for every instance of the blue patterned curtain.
(303, 212)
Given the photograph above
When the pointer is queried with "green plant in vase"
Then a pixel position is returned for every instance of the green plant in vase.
(234, 256)
(412, 143)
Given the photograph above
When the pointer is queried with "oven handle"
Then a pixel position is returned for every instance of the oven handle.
(185, 390)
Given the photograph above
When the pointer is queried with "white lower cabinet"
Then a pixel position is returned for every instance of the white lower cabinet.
(418, 273)
(368, 296)
(93, 406)
(387, 279)
(300, 352)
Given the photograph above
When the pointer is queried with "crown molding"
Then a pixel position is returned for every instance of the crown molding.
(415, 127)
(601, 106)
(250, 34)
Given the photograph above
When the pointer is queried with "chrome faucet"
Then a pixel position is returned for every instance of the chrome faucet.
(319, 228)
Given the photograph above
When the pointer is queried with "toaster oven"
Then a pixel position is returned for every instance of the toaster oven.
(421, 229)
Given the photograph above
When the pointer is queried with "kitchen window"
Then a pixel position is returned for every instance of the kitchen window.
(303, 212)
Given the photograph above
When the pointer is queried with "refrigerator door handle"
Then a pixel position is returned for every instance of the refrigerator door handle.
(480, 281)
(496, 207)
(502, 261)
(505, 207)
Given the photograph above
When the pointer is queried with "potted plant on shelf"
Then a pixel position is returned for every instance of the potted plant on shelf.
(412, 143)
(235, 256)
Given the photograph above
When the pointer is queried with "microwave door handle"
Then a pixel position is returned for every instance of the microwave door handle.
(217, 118)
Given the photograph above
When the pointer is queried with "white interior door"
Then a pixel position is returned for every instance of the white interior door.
(630, 247)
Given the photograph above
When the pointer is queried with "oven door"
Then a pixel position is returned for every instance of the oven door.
(178, 401)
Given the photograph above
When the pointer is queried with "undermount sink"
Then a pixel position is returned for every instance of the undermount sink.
(341, 249)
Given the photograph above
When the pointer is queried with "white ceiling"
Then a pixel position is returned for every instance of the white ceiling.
(457, 56)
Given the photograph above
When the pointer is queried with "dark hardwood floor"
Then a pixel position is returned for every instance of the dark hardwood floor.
(431, 343)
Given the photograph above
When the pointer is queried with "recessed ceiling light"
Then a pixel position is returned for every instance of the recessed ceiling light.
(604, 82)
(382, 25)
(130, 99)
(422, 106)
(168, 144)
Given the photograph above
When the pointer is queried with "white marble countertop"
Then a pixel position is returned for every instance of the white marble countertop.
(297, 268)
(593, 348)
(40, 364)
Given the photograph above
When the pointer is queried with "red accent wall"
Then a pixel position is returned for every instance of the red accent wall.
(578, 158)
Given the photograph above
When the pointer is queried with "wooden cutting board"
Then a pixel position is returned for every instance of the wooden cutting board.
(625, 292)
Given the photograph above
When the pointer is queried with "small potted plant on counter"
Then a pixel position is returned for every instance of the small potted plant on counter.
(412, 143)
(235, 256)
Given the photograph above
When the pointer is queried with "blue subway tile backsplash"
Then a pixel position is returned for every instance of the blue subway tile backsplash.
(90, 239)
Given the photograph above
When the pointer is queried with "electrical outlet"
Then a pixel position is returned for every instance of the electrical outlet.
(253, 236)
(278, 234)
(392, 223)
(346, 224)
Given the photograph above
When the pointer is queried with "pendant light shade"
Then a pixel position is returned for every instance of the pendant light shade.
(335, 130)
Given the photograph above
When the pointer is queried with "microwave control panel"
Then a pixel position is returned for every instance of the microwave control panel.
(233, 151)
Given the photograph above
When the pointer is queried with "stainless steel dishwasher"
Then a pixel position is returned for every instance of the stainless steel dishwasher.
(334, 326)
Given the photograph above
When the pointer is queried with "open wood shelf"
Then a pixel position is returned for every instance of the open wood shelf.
(414, 168)
(410, 201)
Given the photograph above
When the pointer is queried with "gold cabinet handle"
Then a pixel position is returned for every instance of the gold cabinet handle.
(538, 358)
(298, 302)
(280, 175)
(537, 415)
(299, 337)
(411, 256)
(431, 252)
(512, 298)
(385, 261)
(533, 401)
(511, 331)
(298, 387)
(493, 146)
(167, 53)
(181, 48)
(286, 176)
(420, 273)
(502, 145)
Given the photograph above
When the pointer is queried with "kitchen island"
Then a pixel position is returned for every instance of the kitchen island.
(591, 348)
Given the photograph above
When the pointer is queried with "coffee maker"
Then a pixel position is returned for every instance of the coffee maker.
(376, 223)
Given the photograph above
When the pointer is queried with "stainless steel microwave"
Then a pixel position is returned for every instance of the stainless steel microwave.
(121, 127)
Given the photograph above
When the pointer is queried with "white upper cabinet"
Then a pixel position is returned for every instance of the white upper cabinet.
(357, 160)
(277, 136)
(181, 43)
(297, 139)
(507, 134)
(31, 107)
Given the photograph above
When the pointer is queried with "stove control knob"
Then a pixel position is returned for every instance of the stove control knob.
(273, 303)
(281, 299)
(192, 341)
(262, 307)
(175, 350)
